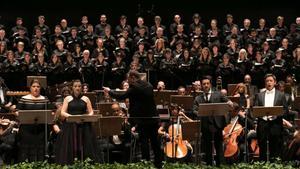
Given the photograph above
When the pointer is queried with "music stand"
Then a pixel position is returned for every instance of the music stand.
(163, 97)
(230, 89)
(163, 113)
(119, 92)
(105, 108)
(297, 123)
(190, 132)
(92, 96)
(41, 79)
(261, 111)
(83, 118)
(186, 102)
(234, 99)
(109, 126)
(79, 119)
(296, 103)
(212, 109)
(37, 117)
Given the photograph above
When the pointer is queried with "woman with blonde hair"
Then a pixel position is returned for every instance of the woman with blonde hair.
(159, 48)
(203, 64)
(242, 65)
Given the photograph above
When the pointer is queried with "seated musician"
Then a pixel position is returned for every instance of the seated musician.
(181, 91)
(179, 114)
(8, 130)
(85, 87)
(240, 114)
(124, 86)
(6, 102)
(161, 86)
(122, 142)
(286, 89)
(197, 88)
(243, 112)
(32, 136)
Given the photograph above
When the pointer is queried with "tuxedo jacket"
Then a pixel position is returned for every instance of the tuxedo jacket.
(275, 125)
(217, 122)
(279, 100)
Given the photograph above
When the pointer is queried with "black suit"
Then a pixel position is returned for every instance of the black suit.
(273, 128)
(142, 104)
(211, 127)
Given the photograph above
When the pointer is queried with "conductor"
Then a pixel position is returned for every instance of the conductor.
(142, 111)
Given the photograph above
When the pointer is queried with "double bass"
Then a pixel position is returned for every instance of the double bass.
(175, 148)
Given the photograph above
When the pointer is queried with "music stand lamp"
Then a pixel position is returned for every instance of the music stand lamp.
(37, 117)
(261, 111)
(211, 110)
(79, 119)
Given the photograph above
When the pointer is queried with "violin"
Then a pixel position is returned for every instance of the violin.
(175, 148)
(5, 122)
(232, 132)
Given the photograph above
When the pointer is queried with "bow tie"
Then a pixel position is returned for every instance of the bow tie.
(269, 91)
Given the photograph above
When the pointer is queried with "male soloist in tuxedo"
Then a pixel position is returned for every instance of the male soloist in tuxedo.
(211, 126)
(270, 126)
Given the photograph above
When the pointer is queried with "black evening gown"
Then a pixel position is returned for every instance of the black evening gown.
(31, 137)
(75, 137)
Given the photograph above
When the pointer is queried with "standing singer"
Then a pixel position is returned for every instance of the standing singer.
(270, 126)
(75, 138)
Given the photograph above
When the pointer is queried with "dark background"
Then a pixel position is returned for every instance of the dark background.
(55, 10)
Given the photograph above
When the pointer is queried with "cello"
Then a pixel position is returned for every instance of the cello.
(232, 132)
(175, 148)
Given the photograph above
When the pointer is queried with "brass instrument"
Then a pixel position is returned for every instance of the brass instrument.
(219, 83)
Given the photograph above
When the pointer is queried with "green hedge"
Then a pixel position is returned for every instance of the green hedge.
(147, 165)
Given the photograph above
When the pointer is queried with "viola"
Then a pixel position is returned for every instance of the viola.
(176, 148)
(232, 132)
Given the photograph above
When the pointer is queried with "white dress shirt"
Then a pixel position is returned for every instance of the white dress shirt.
(269, 98)
(269, 102)
(208, 94)
(1, 95)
